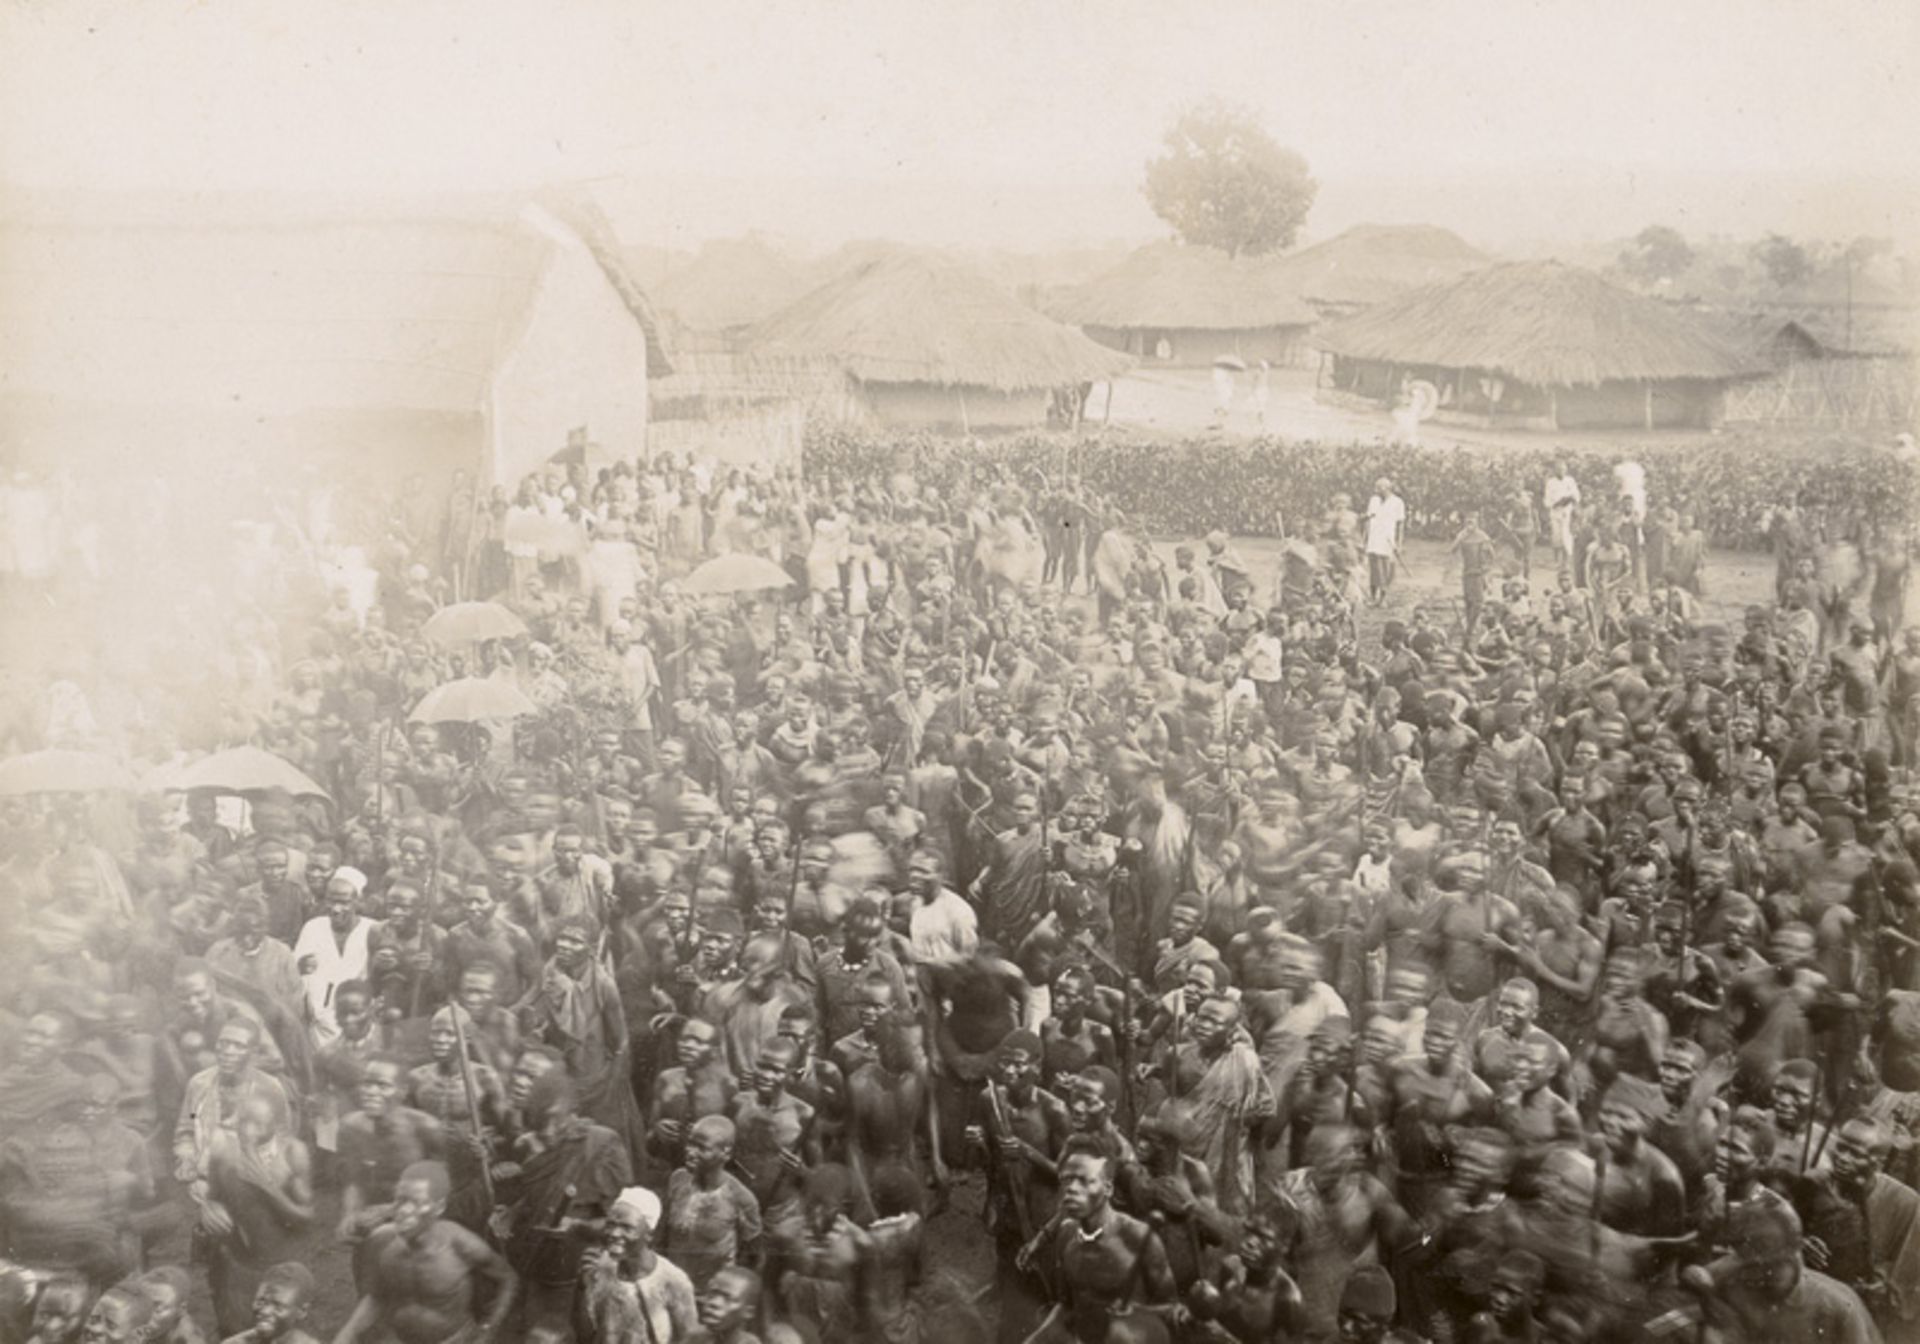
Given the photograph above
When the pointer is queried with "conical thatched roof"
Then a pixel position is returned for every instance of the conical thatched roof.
(908, 318)
(1166, 285)
(1543, 323)
(1371, 263)
(733, 282)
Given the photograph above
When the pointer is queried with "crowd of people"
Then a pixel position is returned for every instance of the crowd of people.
(1010, 928)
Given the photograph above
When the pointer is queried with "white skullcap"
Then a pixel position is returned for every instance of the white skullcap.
(643, 1202)
(353, 876)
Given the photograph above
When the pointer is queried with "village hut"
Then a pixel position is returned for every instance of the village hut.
(1826, 368)
(1185, 307)
(1534, 345)
(1372, 263)
(370, 344)
(730, 284)
(928, 342)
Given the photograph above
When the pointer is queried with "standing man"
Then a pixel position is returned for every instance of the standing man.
(1102, 1262)
(424, 1272)
(1386, 530)
(1630, 515)
(1561, 496)
(332, 951)
(1763, 1290)
(1475, 549)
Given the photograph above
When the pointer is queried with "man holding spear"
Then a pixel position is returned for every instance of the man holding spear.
(1024, 1130)
(453, 1090)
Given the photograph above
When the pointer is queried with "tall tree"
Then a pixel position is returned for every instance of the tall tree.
(1223, 181)
(1786, 262)
(1657, 253)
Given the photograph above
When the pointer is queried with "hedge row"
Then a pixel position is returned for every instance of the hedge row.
(1188, 486)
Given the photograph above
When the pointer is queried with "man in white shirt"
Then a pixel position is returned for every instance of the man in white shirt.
(1386, 529)
(944, 930)
(1265, 661)
(1561, 496)
(641, 676)
(332, 949)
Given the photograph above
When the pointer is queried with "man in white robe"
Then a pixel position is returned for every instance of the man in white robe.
(331, 950)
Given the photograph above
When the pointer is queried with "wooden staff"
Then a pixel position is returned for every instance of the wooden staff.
(379, 771)
(1841, 1110)
(1179, 1021)
(1016, 1186)
(456, 1012)
(1599, 1200)
(1813, 1109)
(1124, 1045)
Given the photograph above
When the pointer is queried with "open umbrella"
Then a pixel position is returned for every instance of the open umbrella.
(471, 623)
(1233, 362)
(61, 771)
(242, 770)
(735, 573)
(472, 700)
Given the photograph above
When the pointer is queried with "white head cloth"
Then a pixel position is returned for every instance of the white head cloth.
(642, 1201)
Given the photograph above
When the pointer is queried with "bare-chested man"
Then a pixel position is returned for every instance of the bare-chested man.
(887, 1107)
(1101, 1261)
(424, 1274)
(1465, 928)
(699, 1084)
(380, 1142)
(776, 1140)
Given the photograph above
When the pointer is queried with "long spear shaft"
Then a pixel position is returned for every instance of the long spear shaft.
(473, 1095)
(1813, 1105)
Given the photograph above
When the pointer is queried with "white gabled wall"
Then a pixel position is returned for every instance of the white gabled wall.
(580, 359)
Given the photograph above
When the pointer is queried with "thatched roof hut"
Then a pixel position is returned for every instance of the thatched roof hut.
(390, 339)
(930, 342)
(1372, 263)
(731, 283)
(1178, 305)
(1538, 344)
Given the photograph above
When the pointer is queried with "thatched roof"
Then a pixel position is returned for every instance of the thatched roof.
(1857, 331)
(732, 282)
(1371, 263)
(1769, 337)
(1543, 323)
(344, 313)
(590, 225)
(1169, 286)
(908, 318)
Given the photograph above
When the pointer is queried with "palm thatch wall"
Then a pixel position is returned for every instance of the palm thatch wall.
(1542, 323)
(913, 319)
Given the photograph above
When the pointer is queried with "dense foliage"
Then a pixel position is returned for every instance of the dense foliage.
(1187, 487)
(1222, 181)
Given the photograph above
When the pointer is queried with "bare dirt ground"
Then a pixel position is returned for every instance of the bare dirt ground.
(1181, 402)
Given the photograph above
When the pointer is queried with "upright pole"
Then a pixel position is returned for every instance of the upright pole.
(456, 1012)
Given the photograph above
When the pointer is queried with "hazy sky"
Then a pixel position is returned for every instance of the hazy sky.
(1025, 119)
